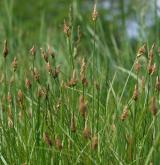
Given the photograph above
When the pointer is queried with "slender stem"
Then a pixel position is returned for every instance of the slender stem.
(5, 81)
(70, 52)
(93, 75)
(98, 95)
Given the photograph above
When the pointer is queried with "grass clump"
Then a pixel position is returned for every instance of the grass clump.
(72, 104)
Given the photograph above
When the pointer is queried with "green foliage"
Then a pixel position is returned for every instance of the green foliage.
(76, 97)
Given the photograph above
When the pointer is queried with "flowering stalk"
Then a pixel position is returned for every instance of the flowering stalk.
(94, 19)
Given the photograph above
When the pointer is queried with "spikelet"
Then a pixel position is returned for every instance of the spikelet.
(44, 54)
(49, 68)
(47, 139)
(94, 143)
(94, 13)
(141, 50)
(83, 69)
(33, 51)
(151, 53)
(56, 72)
(135, 93)
(28, 83)
(66, 29)
(137, 66)
(41, 92)
(151, 68)
(14, 64)
(83, 73)
(87, 133)
(58, 143)
(51, 52)
(153, 106)
(151, 65)
(124, 114)
(73, 80)
(82, 107)
(20, 96)
(36, 75)
(5, 49)
(73, 124)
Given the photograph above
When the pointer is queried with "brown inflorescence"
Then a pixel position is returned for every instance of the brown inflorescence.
(82, 106)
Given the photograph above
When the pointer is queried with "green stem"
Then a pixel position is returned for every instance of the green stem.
(93, 75)
(70, 52)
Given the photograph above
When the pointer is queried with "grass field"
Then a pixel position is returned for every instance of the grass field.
(77, 91)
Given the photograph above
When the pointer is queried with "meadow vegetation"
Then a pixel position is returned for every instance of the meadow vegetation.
(74, 96)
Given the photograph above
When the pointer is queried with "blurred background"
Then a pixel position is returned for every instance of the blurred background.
(122, 23)
(136, 17)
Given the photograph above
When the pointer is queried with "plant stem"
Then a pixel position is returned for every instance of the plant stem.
(93, 75)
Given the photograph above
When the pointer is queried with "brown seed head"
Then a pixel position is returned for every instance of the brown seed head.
(83, 73)
(44, 55)
(135, 93)
(151, 68)
(153, 106)
(82, 107)
(36, 75)
(33, 51)
(47, 139)
(56, 71)
(73, 80)
(137, 66)
(28, 84)
(41, 92)
(5, 49)
(49, 68)
(73, 124)
(14, 64)
(87, 133)
(66, 29)
(51, 52)
(94, 143)
(141, 50)
(94, 13)
(124, 114)
(58, 143)
(20, 96)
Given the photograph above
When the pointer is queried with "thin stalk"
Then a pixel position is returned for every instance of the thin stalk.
(70, 52)
(98, 95)
(93, 75)
(156, 18)
(38, 123)
(32, 92)
(5, 81)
